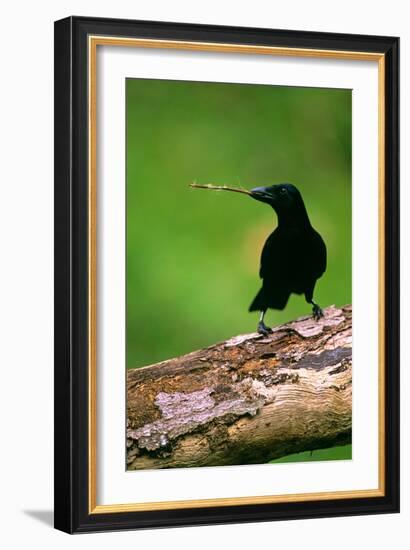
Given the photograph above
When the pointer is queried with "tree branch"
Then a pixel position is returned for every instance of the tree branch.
(247, 400)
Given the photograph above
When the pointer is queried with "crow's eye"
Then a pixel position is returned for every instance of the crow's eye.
(283, 190)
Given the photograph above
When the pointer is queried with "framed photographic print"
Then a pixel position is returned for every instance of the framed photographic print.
(226, 274)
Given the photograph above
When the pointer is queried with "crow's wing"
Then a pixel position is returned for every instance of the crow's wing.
(271, 250)
(318, 255)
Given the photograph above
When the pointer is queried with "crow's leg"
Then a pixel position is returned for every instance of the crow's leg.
(262, 328)
(316, 309)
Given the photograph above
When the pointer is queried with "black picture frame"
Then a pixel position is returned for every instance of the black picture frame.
(72, 511)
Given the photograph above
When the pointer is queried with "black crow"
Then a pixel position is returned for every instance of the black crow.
(293, 257)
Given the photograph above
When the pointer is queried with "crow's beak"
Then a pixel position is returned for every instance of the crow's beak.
(260, 194)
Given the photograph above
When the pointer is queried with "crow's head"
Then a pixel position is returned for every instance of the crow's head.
(283, 197)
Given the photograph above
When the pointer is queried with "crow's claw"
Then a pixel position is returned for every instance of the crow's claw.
(317, 312)
(263, 329)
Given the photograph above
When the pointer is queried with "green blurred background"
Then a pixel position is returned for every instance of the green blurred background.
(193, 255)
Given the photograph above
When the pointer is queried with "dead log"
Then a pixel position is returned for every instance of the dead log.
(247, 400)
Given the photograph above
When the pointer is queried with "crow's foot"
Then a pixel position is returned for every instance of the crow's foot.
(317, 312)
(263, 329)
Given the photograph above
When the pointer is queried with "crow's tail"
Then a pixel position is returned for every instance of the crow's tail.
(258, 303)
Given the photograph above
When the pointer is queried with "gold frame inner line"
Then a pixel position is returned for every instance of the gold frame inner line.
(93, 43)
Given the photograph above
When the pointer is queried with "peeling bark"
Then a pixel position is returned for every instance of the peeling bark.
(247, 400)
